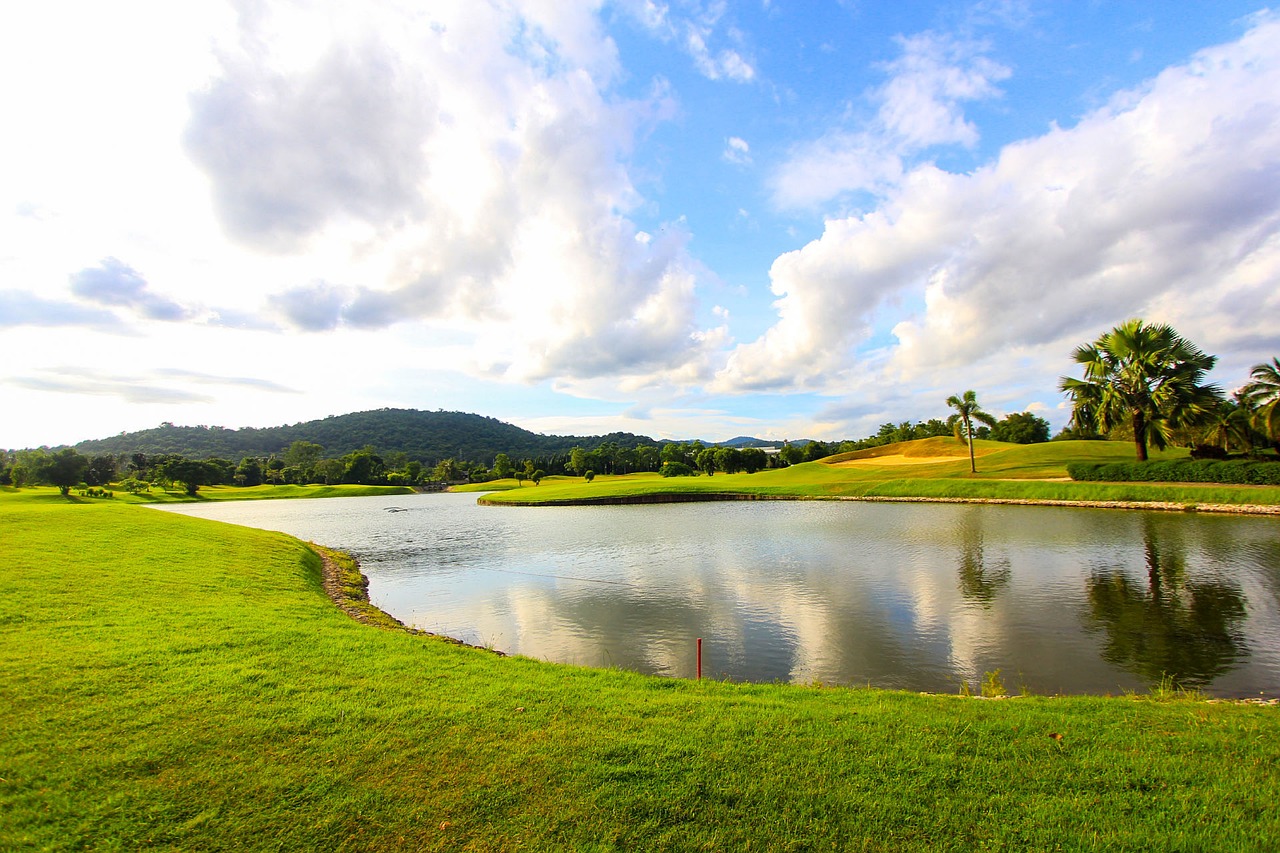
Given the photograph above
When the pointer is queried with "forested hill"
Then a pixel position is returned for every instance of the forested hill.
(426, 436)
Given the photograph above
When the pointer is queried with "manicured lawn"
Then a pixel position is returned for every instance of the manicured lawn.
(179, 684)
(931, 468)
(253, 493)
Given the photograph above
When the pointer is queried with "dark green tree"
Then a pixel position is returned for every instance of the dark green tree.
(1021, 428)
(249, 472)
(64, 469)
(100, 471)
(791, 454)
(729, 459)
(1262, 396)
(191, 473)
(754, 459)
(502, 466)
(1145, 376)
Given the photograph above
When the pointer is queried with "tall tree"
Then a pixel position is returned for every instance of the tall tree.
(1021, 428)
(967, 411)
(1262, 396)
(65, 469)
(1146, 375)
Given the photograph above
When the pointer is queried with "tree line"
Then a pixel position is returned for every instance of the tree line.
(1142, 382)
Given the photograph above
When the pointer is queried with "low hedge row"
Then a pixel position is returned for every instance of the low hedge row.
(1235, 471)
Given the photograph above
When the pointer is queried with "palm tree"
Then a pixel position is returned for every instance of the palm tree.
(967, 411)
(1227, 424)
(1262, 396)
(1145, 374)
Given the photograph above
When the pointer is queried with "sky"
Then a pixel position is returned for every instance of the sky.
(683, 219)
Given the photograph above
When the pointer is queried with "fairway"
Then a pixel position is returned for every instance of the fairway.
(927, 469)
(172, 683)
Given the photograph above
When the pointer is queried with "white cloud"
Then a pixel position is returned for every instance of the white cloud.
(696, 30)
(737, 151)
(919, 107)
(1165, 203)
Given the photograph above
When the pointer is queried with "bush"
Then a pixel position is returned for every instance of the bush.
(1230, 471)
(675, 469)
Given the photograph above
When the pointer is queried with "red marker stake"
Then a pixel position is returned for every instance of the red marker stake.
(699, 658)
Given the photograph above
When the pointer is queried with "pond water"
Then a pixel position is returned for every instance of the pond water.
(913, 596)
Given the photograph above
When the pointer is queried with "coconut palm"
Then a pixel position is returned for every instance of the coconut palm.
(967, 411)
(1262, 396)
(1146, 375)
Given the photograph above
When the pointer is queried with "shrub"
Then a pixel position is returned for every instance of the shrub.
(675, 469)
(1228, 471)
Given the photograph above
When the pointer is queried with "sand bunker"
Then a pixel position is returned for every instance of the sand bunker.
(894, 459)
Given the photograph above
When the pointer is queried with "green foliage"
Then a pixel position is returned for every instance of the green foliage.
(192, 473)
(992, 685)
(676, 469)
(425, 436)
(1261, 398)
(754, 459)
(502, 466)
(64, 469)
(1021, 428)
(1144, 377)
(100, 471)
(1030, 472)
(1234, 471)
(249, 472)
(967, 411)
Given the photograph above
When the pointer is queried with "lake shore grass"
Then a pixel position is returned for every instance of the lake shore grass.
(1034, 473)
(175, 683)
(159, 495)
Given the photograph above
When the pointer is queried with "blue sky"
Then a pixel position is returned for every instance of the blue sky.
(681, 219)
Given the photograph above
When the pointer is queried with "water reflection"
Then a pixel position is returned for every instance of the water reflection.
(1169, 626)
(911, 596)
(979, 582)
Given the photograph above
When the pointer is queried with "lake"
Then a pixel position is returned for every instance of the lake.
(914, 596)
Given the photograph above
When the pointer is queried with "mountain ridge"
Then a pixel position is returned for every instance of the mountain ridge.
(428, 436)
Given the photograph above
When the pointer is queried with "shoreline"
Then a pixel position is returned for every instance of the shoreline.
(348, 588)
(705, 497)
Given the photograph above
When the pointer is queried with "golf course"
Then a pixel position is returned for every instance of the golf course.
(173, 683)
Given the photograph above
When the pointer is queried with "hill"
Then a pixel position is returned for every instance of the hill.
(426, 436)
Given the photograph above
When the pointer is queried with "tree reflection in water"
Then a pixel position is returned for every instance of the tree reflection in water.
(978, 582)
(1171, 627)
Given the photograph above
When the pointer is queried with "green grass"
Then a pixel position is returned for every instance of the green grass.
(1005, 471)
(173, 683)
(254, 493)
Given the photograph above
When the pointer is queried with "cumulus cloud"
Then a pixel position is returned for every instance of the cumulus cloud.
(115, 283)
(1165, 203)
(920, 106)
(478, 155)
(291, 152)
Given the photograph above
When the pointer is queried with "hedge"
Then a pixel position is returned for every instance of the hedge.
(1234, 471)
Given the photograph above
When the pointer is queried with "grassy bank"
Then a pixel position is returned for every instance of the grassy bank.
(931, 468)
(174, 683)
(257, 493)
